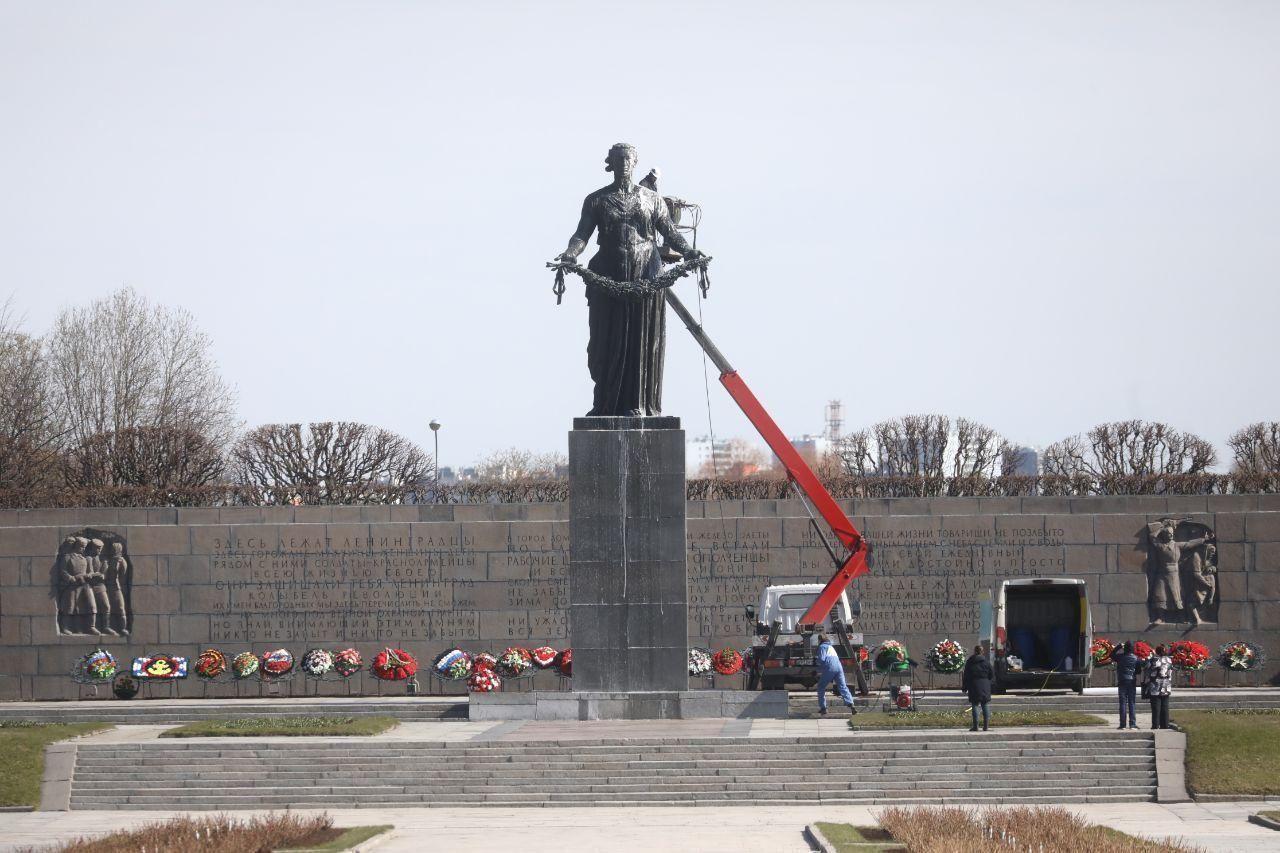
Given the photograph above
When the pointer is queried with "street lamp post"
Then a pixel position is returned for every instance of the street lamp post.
(435, 432)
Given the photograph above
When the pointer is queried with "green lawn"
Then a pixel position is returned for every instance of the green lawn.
(276, 726)
(22, 756)
(848, 838)
(961, 719)
(1232, 752)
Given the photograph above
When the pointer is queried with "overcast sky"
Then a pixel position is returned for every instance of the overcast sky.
(1037, 215)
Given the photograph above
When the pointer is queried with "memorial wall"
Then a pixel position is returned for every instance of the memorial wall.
(427, 578)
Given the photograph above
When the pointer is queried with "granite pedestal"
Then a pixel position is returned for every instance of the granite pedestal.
(628, 596)
(645, 705)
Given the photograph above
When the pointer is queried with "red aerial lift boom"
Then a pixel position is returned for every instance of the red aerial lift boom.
(814, 496)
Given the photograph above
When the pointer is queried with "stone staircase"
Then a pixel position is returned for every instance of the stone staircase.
(864, 768)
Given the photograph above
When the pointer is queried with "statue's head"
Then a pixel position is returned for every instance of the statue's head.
(1210, 551)
(81, 543)
(621, 159)
(117, 549)
(1165, 534)
(95, 546)
(69, 543)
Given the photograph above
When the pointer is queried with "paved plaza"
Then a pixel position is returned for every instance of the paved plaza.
(1213, 826)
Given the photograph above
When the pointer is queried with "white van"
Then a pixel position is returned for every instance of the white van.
(1040, 631)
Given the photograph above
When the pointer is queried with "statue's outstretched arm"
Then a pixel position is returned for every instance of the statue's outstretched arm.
(578, 242)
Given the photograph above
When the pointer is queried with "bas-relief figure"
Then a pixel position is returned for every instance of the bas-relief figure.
(1182, 569)
(91, 583)
(628, 336)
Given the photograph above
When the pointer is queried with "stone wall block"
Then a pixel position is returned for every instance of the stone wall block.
(1266, 557)
(1123, 589)
(1269, 502)
(473, 512)
(316, 515)
(348, 537)
(436, 512)
(190, 630)
(1183, 504)
(1070, 529)
(240, 515)
(1039, 503)
(197, 515)
(158, 540)
(253, 538)
(909, 506)
(1264, 586)
(154, 599)
(1235, 556)
(760, 508)
(146, 570)
(211, 539)
(1231, 503)
(1262, 527)
(29, 542)
(203, 598)
(1120, 529)
(1085, 559)
(487, 536)
(1228, 526)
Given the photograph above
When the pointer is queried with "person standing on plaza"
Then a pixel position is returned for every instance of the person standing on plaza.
(1160, 687)
(976, 681)
(1127, 683)
(831, 671)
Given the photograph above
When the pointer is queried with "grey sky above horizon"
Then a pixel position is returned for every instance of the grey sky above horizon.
(1036, 215)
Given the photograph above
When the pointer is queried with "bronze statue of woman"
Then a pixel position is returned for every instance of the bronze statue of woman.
(628, 335)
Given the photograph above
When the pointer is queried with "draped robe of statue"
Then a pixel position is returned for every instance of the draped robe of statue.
(628, 336)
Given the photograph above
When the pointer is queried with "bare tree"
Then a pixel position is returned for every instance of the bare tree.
(1256, 448)
(513, 464)
(330, 463)
(157, 457)
(1129, 448)
(122, 362)
(977, 450)
(856, 452)
(30, 434)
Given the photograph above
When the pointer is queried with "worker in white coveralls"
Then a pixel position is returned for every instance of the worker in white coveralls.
(831, 671)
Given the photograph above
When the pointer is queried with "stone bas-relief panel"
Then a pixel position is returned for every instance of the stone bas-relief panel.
(488, 584)
(91, 583)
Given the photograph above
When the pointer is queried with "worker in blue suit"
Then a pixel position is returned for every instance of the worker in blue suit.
(831, 671)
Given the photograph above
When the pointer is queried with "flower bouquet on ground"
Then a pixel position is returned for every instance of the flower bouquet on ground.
(1189, 656)
(1143, 650)
(544, 657)
(244, 665)
(276, 664)
(727, 662)
(1240, 656)
(891, 657)
(564, 663)
(946, 657)
(393, 665)
(452, 665)
(1102, 651)
(515, 662)
(484, 681)
(97, 667)
(160, 667)
(484, 661)
(317, 663)
(347, 662)
(211, 664)
(699, 661)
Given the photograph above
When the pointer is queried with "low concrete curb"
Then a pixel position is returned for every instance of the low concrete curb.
(55, 785)
(817, 839)
(1171, 767)
(1264, 821)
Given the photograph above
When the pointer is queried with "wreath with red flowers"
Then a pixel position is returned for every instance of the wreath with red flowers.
(211, 664)
(484, 662)
(564, 663)
(544, 657)
(727, 662)
(1143, 650)
(515, 662)
(393, 665)
(484, 681)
